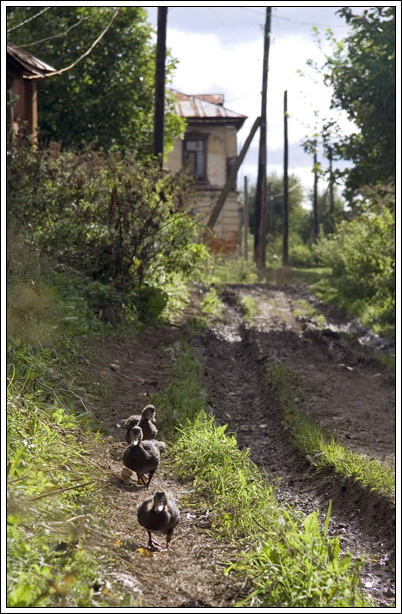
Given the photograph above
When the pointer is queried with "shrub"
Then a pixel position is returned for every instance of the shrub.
(113, 221)
(362, 258)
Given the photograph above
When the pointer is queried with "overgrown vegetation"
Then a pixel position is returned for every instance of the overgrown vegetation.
(119, 228)
(292, 561)
(321, 448)
(361, 255)
(55, 508)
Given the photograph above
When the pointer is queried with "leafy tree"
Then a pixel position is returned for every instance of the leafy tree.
(362, 72)
(106, 100)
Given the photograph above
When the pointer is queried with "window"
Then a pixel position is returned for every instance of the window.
(195, 156)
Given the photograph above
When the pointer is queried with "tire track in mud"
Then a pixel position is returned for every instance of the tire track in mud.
(234, 359)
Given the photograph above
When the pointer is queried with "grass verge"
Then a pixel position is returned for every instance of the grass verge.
(59, 548)
(321, 448)
(289, 560)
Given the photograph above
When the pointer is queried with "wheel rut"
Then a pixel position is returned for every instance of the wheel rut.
(234, 358)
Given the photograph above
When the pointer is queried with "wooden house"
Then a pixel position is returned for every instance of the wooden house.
(208, 150)
(22, 102)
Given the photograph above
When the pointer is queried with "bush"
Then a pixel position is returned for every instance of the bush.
(362, 258)
(111, 220)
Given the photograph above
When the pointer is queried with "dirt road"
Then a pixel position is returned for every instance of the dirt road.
(341, 386)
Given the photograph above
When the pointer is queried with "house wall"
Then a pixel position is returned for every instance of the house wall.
(222, 144)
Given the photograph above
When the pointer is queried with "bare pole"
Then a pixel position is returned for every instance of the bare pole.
(246, 218)
(159, 114)
(261, 192)
(331, 193)
(315, 201)
(270, 229)
(285, 253)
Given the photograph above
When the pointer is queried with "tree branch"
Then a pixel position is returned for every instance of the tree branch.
(87, 52)
(30, 19)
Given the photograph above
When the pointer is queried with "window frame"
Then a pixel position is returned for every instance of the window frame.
(197, 136)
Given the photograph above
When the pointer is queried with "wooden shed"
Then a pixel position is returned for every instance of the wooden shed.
(22, 102)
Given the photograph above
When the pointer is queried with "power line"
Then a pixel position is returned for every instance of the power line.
(43, 40)
(302, 23)
(222, 24)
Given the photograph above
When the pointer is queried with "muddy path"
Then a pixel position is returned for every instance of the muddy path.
(356, 404)
(341, 387)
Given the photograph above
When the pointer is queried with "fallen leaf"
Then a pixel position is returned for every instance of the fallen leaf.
(144, 551)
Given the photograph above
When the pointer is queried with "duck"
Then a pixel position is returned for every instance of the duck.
(146, 421)
(143, 457)
(159, 514)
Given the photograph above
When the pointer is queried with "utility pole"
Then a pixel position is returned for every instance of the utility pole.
(331, 193)
(261, 192)
(246, 218)
(269, 209)
(285, 253)
(159, 114)
(315, 202)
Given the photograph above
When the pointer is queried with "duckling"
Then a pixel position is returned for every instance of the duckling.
(146, 421)
(159, 514)
(142, 456)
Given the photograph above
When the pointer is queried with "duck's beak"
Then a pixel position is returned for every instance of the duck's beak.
(159, 507)
(135, 441)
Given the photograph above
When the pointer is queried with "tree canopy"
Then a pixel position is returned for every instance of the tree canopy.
(362, 74)
(106, 100)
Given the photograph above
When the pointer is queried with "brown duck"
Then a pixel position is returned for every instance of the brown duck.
(143, 457)
(159, 514)
(146, 421)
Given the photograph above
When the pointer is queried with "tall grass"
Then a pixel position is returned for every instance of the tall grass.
(55, 508)
(288, 559)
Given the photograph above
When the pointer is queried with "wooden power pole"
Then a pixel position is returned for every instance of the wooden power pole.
(331, 193)
(315, 201)
(285, 254)
(159, 114)
(246, 213)
(261, 192)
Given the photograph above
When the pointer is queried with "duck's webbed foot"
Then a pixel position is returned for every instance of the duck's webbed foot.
(153, 544)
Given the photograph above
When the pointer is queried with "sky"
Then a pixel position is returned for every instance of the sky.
(220, 50)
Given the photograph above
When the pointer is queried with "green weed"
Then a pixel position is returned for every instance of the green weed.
(303, 308)
(211, 304)
(250, 309)
(231, 270)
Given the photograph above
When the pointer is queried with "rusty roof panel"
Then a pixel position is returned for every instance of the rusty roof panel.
(30, 64)
(203, 106)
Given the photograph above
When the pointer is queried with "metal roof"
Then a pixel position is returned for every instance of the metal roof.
(205, 107)
(28, 62)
